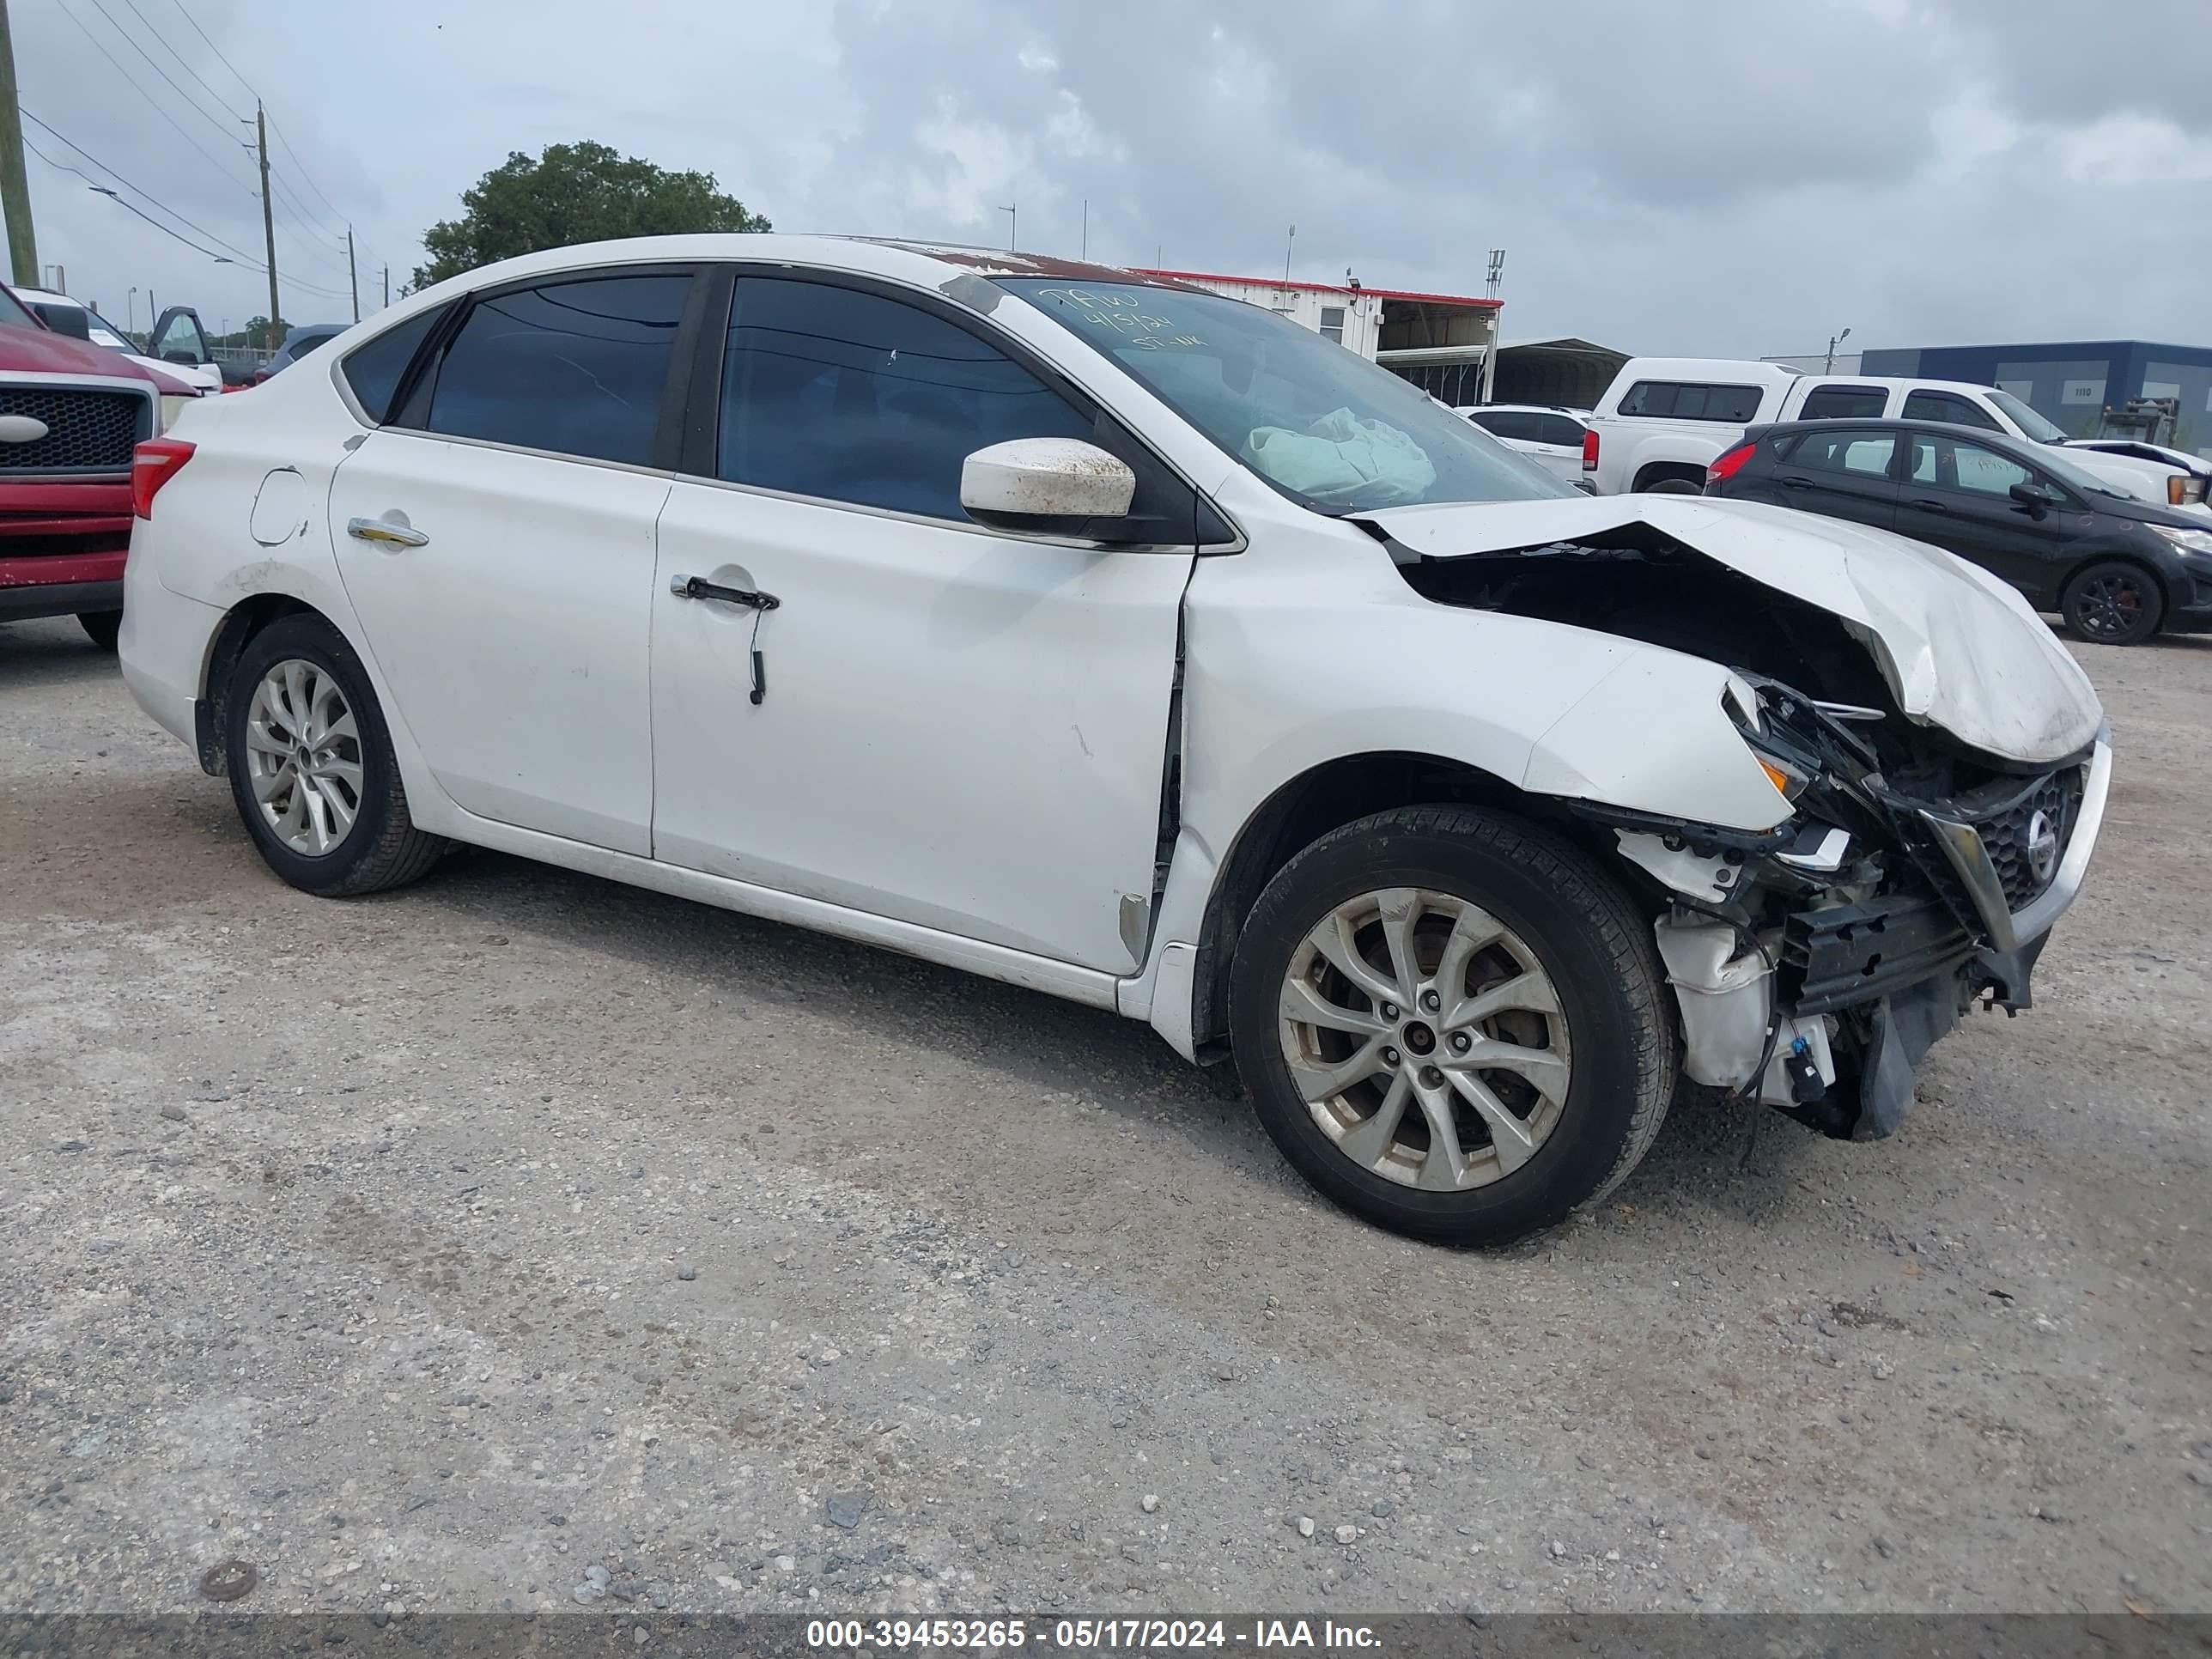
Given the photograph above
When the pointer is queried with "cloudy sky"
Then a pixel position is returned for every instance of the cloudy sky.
(1739, 177)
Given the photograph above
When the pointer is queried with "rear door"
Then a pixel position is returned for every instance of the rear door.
(1848, 473)
(497, 542)
(1957, 494)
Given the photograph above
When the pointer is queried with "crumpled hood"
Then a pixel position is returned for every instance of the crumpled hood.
(1959, 648)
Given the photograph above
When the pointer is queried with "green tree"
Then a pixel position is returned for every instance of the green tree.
(573, 193)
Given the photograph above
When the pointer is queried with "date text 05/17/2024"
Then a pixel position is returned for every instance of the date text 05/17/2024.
(1086, 1635)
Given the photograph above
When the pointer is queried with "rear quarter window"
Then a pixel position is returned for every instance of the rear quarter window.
(1844, 403)
(374, 368)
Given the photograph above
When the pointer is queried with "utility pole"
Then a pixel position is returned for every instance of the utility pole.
(352, 281)
(1835, 340)
(1085, 252)
(268, 220)
(15, 188)
(387, 285)
(1288, 248)
(1013, 224)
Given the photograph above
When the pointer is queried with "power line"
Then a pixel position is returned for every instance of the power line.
(302, 166)
(242, 258)
(213, 48)
(127, 185)
(139, 87)
(131, 41)
(184, 62)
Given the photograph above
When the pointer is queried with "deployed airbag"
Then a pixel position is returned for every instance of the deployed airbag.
(1339, 456)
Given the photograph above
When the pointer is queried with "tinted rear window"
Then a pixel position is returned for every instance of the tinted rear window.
(1692, 400)
(577, 367)
(1506, 423)
(373, 368)
(1844, 403)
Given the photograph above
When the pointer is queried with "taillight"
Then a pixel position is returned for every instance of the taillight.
(153, 464)
(1589, 449)
(1727, 466)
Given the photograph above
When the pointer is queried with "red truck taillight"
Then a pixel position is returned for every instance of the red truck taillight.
(1589, 449)
(153, 464)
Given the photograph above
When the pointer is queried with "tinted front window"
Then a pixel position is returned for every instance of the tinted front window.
(576, 367)
(1947, 406)
(1506, 423)
(1319, 423)
(1844, 403)
(851, 396)
(1866, 454)
(1685, 400)
(373, 370)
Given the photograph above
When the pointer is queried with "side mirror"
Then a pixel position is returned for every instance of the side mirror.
(1046, 485)
(2035, 497)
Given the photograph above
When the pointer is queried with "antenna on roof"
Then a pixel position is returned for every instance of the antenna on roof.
(1496, 275)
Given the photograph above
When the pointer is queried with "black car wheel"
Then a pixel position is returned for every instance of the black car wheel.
(1452, 1024)
(2113, 604)
(312, 767)
(102, 627)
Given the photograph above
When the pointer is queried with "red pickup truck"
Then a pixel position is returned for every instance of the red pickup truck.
(71, 413)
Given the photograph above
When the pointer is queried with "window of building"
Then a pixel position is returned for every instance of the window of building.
(1332, 322)
(851, 396)
(577, 367)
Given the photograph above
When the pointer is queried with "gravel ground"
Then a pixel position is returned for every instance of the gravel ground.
(520, 1241)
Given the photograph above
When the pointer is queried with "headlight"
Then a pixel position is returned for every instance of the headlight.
(2189, 540)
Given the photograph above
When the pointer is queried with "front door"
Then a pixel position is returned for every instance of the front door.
(1957, 494)
(497, 544)
(935, 722)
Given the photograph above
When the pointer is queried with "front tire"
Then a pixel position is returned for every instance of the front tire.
(2113, 602)
(312, 767)
(1452, 1024)
(102, 627)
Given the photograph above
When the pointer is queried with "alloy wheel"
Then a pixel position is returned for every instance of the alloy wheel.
(1426, 1038)
(2110, 607)
(303, 756)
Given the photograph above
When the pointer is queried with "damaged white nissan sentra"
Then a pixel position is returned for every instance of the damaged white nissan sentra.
(1135, 645)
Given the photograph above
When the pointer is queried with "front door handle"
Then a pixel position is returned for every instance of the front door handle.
(387, 532)
(698, 587)
(1927, 504)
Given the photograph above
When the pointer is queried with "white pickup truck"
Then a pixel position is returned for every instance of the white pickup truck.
(1664, 419)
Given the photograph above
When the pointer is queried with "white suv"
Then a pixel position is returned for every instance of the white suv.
(1135, 645)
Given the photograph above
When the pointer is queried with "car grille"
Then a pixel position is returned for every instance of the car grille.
(2006, 836)
(87, 431)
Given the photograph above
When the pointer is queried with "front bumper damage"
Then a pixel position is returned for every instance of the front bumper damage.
(1814, 967)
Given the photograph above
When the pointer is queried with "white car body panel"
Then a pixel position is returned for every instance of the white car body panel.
(1563, 461)
(957, 728)
(561, 553)
(965, 734)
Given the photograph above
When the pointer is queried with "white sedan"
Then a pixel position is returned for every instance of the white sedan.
(1551, 436)
(1131, 644)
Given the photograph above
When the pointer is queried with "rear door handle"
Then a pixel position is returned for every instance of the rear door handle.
(387, 532)
(698, 587)
(1789, 481)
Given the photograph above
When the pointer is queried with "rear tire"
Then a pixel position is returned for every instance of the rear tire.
(327, 737)
(2113, 602)
(1673, 487)
(1581, 1046)
(102, 627)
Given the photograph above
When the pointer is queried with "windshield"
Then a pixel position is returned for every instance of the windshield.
(106, 334)
(2077, 477)
(1317, 421)
(2032, 424)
